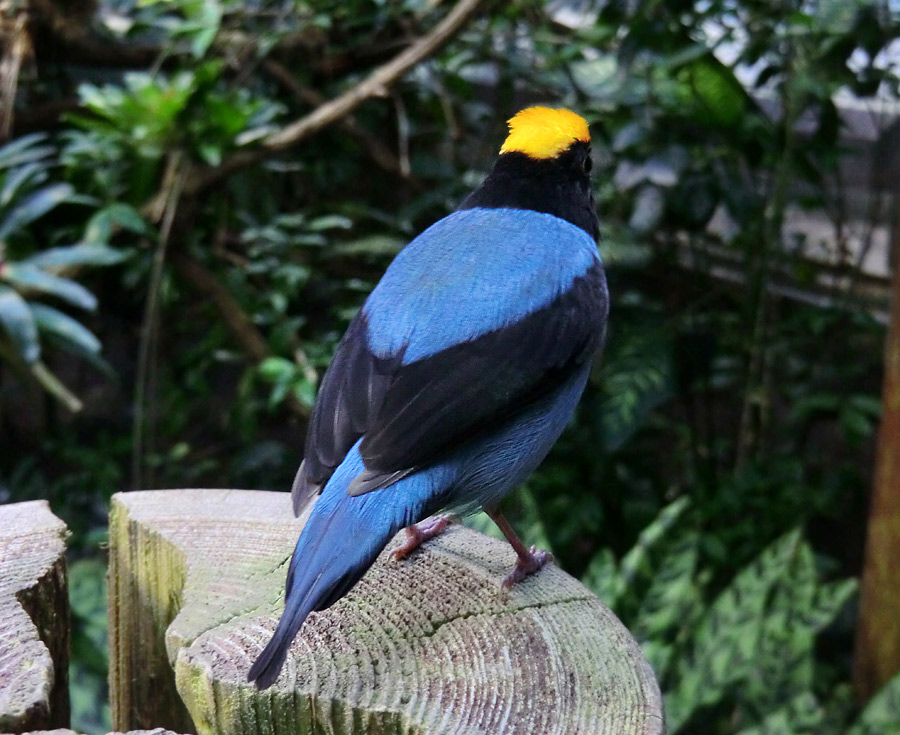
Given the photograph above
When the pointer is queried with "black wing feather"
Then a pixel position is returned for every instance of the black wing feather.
(411, 414)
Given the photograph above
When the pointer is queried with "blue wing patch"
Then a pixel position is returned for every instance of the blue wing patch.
(473, 272)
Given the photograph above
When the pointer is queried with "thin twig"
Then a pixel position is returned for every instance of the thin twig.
(238, 323)
(379, 152)
(174, 181)
(236, 320)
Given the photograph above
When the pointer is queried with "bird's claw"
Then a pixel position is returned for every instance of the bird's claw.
(418, 534)
(535, 560)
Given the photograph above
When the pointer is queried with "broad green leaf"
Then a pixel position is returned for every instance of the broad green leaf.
(64, 327)
(756, 642)
(635, 379)
(712, 88)
(673, 598)
(81, 254)
(639, 566)
(17, 320)
(208, 15)
(33, 207)
(99, 228)
(30, 277)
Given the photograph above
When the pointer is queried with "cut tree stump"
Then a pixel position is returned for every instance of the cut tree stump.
(427, 645)
(34, 619)
(157, 731)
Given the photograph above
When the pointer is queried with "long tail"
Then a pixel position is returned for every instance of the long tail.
(340, 541)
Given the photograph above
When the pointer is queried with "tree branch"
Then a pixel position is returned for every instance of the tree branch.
(379, 152)
(375, 85)
(242, 329)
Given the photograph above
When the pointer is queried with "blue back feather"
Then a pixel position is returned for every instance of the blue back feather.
(470, 273)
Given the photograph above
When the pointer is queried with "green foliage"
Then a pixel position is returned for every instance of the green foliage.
(882, 713)
(725, 415)
(90, 646)
(743, 655)
(29, 272)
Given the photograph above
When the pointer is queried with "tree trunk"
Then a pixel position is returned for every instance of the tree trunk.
(877, 656)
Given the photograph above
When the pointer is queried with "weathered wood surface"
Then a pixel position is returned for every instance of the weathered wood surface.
(34, 618)
(426, 645)
(156, 731)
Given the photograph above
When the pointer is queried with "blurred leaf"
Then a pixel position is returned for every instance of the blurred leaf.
(330, 222)
(649, 206)
(21, 179)
(24, 150)
(376, 245)
(28, 276)
(636, 378)
(33, 207)
(639, 566)
(99, 228)
(759, 633)
(73, 255)
(600, 577)
(65, 328)
(18, 322)
(713, 90)
(801, 716)
(882, 714)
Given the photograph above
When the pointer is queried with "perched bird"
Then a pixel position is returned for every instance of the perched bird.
(457, 375)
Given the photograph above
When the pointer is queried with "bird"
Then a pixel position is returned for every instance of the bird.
(458, 373)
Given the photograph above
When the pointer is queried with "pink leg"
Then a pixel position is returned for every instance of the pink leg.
(418, 534)
(529, 561)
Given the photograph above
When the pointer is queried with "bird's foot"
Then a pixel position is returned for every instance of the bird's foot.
(418, 534)
(526, 564)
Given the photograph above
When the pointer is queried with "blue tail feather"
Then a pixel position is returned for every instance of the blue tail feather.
(341, 539)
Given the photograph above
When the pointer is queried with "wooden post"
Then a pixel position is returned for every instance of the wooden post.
(155, 731)
(427, 645)
(34, 619)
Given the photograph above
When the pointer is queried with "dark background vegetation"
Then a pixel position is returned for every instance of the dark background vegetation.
(172, 285)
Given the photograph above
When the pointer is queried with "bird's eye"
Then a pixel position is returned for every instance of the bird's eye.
(587, 164)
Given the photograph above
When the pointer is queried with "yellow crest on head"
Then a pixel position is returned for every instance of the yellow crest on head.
(542, 132)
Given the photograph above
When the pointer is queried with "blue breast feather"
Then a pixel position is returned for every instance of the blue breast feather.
(475, 271)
